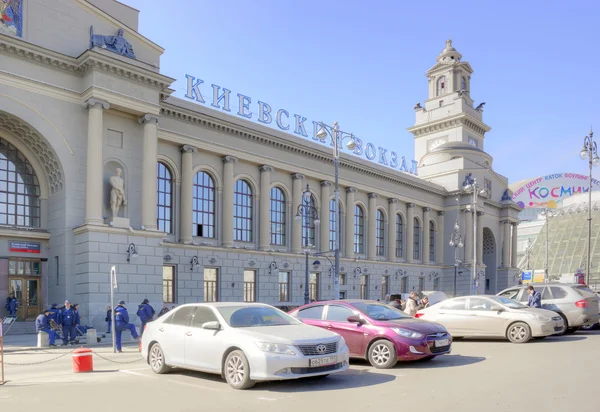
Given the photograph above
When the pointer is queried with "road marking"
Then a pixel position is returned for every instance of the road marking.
(195, 386)
(129, 372)
(267, 399)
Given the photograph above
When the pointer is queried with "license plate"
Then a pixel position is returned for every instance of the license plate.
(443, 342)
(329, 360)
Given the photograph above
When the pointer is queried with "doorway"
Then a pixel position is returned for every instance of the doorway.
(489, 259)
(24, 283)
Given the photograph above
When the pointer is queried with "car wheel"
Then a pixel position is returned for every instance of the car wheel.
(237, 371)
(519, 332)
(156, 359)
(571, 330)
(564, 318)
(382, 354)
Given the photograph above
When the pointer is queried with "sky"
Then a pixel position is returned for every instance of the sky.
(363, 64)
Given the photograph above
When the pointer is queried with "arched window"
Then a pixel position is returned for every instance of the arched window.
(277, 216)
(399, 235)
(463, 83)
(417, 240)
(379, 234)
(432, 241)
(441, 86)
(203, 216)
(242, 212)
(19, 189)
(332, 232)
(308, 223)
(164, 198)
(359, 229)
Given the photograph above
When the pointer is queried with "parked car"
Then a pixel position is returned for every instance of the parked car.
(377, 332)
(243, 342)
(576, 304)
(493, 317)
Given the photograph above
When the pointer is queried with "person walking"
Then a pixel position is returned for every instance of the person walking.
(42, 325)
(424, 303)
(69, 319)
(146, 314)
(535, 298)
(122, 323)
(412, 305)
(164, 310)
(11, 305)
(108, 319)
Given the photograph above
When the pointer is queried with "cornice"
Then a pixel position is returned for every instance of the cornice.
(462, 119)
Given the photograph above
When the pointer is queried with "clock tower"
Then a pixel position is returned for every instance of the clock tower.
(449, 130)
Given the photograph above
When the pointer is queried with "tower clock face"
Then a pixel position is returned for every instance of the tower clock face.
(435, 143)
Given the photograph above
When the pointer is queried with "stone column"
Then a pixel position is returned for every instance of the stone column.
(391, 227)
(425, 241)
(468, 235)
(506, 245)
(480, 237)
(228, 162)
(149, 187)
(350, 222)
(372, 227)
(95, 162)
(514, 246)
(410, 232)
(187, 188)
(296, 201)
(265, 207)
(324, 226)
(439, 243)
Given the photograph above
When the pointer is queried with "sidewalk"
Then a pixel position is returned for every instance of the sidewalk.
(28, 342)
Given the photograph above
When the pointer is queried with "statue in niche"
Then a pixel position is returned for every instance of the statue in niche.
(116, 44)
(117, 194)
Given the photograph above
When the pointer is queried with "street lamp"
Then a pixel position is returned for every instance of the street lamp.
(547, 213)
(456, 242)
(470, 186)
(528, 250)
(590, 152)
(337, 138)
(306, 210)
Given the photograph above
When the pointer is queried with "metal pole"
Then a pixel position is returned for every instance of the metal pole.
(113, 275)
(455, 269)
(306, 293)
(547, 224)
(336, 272)
(589, 245)
(474, 237)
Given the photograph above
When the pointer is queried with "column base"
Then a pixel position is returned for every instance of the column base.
(95, 221)
(119, 222)
(227, 244)
(150, 227)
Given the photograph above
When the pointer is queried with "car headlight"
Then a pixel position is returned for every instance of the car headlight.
(277, 348)
(341, 344)
(408, 333)
(542, 318)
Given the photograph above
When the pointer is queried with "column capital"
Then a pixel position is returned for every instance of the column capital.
(230, 159)
(148, 118)
(441, 213)
(410, 205)
(373, 195)
(505, 221)
(350, 190)
(325, 183)
(96, 103)
(298, 176)
(188, 149)
(393, 200)
(266, 168)
(427, 209)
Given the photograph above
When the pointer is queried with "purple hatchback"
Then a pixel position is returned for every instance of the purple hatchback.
(377, 332)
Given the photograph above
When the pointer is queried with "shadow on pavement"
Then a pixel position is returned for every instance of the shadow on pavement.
(534, 341)
(442, 361)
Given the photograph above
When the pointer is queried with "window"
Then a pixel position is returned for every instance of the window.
(342, 294)
(203, 315)
(417, 240)
(342, 279)
(455, 304)
(204, 205)
(510, 294)
(441, 86)
(182, 316)
(463, 83)
(338, 313)
(431, 241)
(421, 284)
(242, 212)
(249, 285)
(546, 294)
(332, 232)
(211, 285)
(308, 222)
(385, 286)
(479, 304)
(524, 296)
(19, 189)
(278, 208)
(436, 284)
(364, 286)
(488, 185)
(24, 267)
(168, 284)
(399, 235)
(379, 234)
(284, 286)
(313, 312)
(558, 293)
(359, 229)
(313, 287)
(164, 198)
(404, 285)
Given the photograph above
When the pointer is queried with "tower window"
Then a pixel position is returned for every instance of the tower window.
(441, 86)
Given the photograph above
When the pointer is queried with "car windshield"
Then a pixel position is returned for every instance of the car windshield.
(378, 311)
(508, 302)
(255, 316)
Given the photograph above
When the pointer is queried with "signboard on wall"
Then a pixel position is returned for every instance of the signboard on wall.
(539, 276)
(527, 276)
(25, 247)
(547, 191)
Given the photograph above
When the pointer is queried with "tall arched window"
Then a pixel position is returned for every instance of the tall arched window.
(203, 216)
(277, 216)
(431, 241)
(332, 232)
(19, 189)
(359, 229)
(242, 212)
(463, 83)
(379, 233)
(308, 223)
(399, 235)
(441, 86)
(164, 198)
(417, 240)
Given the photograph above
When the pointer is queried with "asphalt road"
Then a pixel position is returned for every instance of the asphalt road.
(547, 375)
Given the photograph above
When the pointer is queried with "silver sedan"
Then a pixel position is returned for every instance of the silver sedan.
(493, 317)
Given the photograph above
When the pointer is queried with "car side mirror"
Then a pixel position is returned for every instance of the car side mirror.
(498, 309)
(214, 325)
(356, 319)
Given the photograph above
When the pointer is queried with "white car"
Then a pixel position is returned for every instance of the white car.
(242, 342)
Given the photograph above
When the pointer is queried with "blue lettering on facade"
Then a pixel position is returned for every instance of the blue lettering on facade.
(264, 113)
(279, 122)
(382, 158)
(394, 161)
(403, 167)
(245, 106)
(370, 151)
(193, 89)
(300, 129)
(217, 99)
(358, 150)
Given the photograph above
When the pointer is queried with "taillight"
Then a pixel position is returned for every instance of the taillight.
(581, 303)
(418, 315)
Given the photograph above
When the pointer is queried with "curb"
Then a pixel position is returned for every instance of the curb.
(13, 349)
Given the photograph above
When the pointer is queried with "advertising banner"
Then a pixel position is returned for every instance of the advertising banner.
(25, 247)
(527, 276)
(547, 191)
(539, 276)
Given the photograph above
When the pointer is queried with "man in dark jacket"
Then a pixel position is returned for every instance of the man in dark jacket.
(11, 305)
(42, 325)
(146, 314)
(122, 323)
(54, 313)
(535, 298)
(69, 319)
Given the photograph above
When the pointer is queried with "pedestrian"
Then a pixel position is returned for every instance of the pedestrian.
(387, 299)
(11, 305)
(424, 303)
(411, 304)
(54, 313)
(146, 314)
(69, 319)
(396, 303)
(164, 310)
(42, 325)
(108, 319)
(122, 323)
(535, 298)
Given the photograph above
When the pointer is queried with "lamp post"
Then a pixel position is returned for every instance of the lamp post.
(547, 213)
(337, 138)
(306, 210)
(590, 152)
(470, 186)
(456, 242)
(528, 249)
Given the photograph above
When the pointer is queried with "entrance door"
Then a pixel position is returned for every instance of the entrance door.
(27, 291)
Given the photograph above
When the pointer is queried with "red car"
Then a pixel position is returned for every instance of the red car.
(377, 332)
